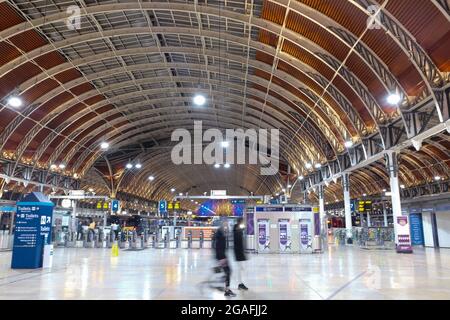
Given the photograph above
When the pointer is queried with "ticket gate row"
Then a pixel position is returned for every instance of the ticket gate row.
(166, 242)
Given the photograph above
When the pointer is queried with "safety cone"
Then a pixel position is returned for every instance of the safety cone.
(115, 250)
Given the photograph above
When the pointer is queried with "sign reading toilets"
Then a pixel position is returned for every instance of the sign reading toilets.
(263, 235)
(284, 231)
(33, 231)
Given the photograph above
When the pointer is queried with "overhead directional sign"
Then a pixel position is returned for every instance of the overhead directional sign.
(115, 205)
(162, 207)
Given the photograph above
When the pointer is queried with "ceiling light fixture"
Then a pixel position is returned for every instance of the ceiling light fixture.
(151, 178)
(437, 178)
(348, 144)
(308, 165)
(217, 166)
(301, 178)
(62, 166)
(15, 102)
(104, 145)
(138, 165)
(225, 144)
(199, 100)
(172, 190)
(393, 99)
(317, 165)
(226, 165)
(129, 166)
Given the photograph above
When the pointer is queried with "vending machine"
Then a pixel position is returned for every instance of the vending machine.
(263, 235)
(284, 231)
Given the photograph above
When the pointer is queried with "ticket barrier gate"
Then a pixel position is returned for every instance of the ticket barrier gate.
(202, 239)
(213, 240)
(166, 240)
(122, 240)
(187, 244)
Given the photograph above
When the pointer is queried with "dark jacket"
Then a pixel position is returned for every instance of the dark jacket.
(221, 245)
(238, 239)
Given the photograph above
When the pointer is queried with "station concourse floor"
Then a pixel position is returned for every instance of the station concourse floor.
(339, 273)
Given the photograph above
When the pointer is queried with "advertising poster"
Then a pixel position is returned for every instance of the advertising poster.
(305, 234)
(417, 238)
(263, 235)
(284, 232)
(250, 224)
(403, 235)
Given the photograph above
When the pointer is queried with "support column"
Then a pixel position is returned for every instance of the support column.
(74, 216)
(385, 215)
(392, 166)
(305, 197)
(348, 212)
(323, 219)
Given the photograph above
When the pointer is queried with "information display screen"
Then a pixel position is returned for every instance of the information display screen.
(221, 208)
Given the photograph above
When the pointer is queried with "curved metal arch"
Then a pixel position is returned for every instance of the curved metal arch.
(158, 164)
(419, 165)
(444, 7)
(257, 22)
(255, 45)
(51, 116)
(425, 157)
(422, 62)
(36, 130)
(116, 142)
(189, 90)
(255, 80)
(167, 177)
(338, 97)
(64, 105)
(50, 138)
(406, 175)
(40, 53)
(142, 117)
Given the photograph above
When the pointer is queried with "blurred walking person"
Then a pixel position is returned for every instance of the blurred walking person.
(220, 240)
(239, 253)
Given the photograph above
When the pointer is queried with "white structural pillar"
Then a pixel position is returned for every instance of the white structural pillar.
(385, 214)
(392, 166)
(348, 212)
(395, 188)
(323, 218)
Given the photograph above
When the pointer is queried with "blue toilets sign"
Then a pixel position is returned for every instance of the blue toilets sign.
(33, 231)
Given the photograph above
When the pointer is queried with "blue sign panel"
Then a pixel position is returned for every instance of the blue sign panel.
(162, 206)
(415, 221)
(33, 231)
(115, 205)
(298, 209)
(269, 209)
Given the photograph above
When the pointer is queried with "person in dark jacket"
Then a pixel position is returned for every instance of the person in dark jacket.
(221, 245)
(239, 254)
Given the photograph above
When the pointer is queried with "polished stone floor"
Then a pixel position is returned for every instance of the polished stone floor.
(339, 273)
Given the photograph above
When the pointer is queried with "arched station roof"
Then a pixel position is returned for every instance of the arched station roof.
(320, 71)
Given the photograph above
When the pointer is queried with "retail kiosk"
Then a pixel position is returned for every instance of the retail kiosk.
(284, 228)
